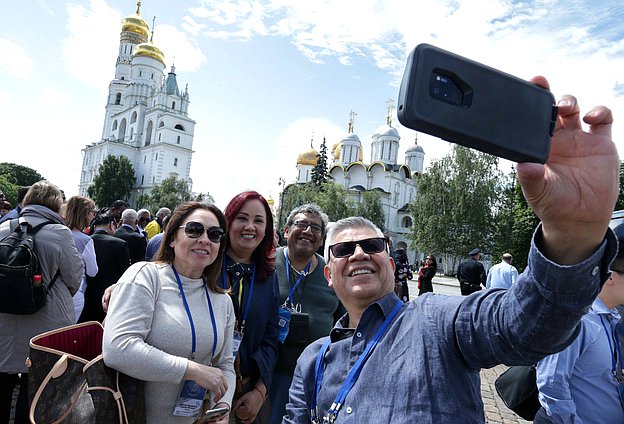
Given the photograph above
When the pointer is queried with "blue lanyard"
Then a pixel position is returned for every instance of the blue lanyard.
(249, 296)
(616, 354)
(190, 317)
(303, 274)
(353, 375)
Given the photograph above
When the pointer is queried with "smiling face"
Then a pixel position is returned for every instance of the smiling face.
(361, 278)
(192, 255)
(303, 243)
(247, 230)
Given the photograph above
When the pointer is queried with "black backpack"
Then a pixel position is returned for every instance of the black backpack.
(22, 289)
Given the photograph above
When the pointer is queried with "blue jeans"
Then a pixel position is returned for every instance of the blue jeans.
(278, 395)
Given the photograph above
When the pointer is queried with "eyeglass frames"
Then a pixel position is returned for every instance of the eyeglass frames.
(303, 225)
(194, 230)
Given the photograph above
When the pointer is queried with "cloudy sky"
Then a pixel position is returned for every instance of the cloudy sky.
(267, 77)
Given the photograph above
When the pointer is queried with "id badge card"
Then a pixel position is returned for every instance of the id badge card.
(283, 323)
(236, 342)
(190, 399)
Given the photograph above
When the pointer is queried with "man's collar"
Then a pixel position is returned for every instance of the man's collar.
(386, 304)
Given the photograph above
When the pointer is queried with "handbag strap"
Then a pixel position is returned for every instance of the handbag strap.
(56, 371)
(118, 396)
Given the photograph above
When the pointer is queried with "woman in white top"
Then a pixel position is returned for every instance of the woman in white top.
(171, 325)
(79, 212)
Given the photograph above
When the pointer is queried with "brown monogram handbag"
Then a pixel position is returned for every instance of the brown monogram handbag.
(68, 381)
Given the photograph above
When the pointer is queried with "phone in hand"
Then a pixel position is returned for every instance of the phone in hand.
(468, 103)
(212, 414)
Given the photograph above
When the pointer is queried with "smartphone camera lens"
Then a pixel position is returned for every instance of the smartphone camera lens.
(449, 89)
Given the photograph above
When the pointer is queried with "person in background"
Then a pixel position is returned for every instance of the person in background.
(299, 270)
(80, 211)
(503, 274)
(117, 209)
(127, 231)
(156, 225)
(15, 212)
(170, 324)
(113, 259)
(60, 262)
(426, 274)
(580, 384)
(144, 218)
(471, 273)
(402, 274)
(5, 207)
(248, 274)
(154, 243)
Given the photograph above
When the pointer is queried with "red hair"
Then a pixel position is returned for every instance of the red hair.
(264, 255)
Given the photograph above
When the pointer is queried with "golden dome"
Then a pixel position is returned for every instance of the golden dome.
(150, 50)
(270, 201)
(308, 158)
(134, 23)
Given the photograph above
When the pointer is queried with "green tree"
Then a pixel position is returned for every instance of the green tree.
(524, 223)
(332, 198)
(319, 172)
(456, 205)
(371, 209)
(169, 193)
(19, 175)
(9, 189)
(115, 180)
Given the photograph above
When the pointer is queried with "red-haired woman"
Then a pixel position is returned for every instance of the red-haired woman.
(248, 272)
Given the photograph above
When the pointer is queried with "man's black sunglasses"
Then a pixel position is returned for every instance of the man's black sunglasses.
(347, 248)
(195, 230)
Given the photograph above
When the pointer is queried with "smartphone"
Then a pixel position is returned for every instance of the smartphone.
(468, 103)
(211, 414)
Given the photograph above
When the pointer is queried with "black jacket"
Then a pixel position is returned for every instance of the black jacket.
(113, 258)
(136, 243)
(471, 275)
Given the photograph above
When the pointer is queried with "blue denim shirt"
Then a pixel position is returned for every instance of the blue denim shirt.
(426, 367)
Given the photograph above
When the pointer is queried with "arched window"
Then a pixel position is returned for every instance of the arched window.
(178, 140)
(175, 161)
(123, 78)
(133, 118)
(118, 99)
(148, 138)
(179, 127)
(122, 131)
(114, 125)
(407, 222)
(159, 136)
(172, 105)
(142, 179)
(161, 124)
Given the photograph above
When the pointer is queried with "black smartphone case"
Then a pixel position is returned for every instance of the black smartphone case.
(489, 110)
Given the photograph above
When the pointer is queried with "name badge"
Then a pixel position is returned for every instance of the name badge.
(236, 342)
(190, 399)
(283, 323)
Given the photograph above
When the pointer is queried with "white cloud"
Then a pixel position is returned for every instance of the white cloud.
(191, 26)
(88, 52)
(178, 48)
(6, 97)
(14, 61)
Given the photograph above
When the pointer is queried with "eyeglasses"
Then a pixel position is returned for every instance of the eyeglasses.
(195, 230)
(347, 248)
(429, 259)
(618, 271)
(302, 225)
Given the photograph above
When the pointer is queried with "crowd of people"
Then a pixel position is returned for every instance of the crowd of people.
(210, 312)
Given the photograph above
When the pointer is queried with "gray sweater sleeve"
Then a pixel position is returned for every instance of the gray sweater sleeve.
(128, 324)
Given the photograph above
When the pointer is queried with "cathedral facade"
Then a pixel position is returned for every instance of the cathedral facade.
(395, 182)
(146, 117)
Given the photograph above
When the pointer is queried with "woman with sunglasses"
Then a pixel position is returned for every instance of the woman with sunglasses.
(426, 274)
(170, 324)
(248, 274)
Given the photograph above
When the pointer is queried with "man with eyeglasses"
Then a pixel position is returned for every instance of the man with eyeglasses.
(299, 270)
(435, 345)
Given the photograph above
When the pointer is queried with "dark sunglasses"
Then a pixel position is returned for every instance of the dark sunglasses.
(195, 230)
(347, 248)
